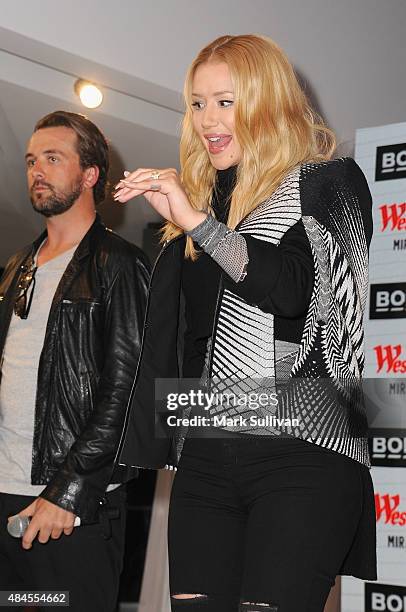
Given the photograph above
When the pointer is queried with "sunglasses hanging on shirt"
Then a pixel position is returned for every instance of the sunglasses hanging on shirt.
(26, 286)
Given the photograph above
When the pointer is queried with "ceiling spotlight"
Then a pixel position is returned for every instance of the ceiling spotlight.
(89, 94)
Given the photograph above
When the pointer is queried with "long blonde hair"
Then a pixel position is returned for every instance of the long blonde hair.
(274, 125)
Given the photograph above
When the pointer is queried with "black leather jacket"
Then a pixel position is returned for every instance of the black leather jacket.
(87, 367)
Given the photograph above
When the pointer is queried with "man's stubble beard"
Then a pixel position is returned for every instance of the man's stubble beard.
(58, 202)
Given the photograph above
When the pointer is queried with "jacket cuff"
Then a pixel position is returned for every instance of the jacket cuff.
(227, 247)
(74, 495)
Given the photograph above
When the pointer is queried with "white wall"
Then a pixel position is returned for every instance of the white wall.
(350, 54)
(342, 47)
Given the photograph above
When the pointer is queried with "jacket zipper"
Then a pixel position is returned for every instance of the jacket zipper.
(164, 248)
(214, 329)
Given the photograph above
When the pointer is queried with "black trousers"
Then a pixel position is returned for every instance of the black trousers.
(87, 563)
(261, 521)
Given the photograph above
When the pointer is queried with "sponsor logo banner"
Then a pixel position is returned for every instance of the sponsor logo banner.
(387, 447)
(393, 217)
(393, 221)
(384, 598)
(390, 162)
(389, 509)
(387, 301)
(390, 359)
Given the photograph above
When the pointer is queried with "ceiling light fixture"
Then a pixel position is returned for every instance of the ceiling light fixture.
(89, 94)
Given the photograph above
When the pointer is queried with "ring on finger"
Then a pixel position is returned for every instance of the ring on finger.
(155, 175)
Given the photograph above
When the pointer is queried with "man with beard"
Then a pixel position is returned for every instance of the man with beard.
(71, 311)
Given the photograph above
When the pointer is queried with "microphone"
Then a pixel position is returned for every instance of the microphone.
(17, 526)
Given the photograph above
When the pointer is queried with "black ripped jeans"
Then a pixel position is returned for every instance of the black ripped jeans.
(262, 521)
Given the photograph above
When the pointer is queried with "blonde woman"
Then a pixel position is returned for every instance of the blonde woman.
(265, 252)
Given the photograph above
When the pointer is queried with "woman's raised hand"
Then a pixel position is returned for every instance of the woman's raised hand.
(164, 191)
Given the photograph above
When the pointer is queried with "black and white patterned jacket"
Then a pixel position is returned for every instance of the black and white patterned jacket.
(318, 380)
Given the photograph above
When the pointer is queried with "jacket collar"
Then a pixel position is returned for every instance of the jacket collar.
(83, 248)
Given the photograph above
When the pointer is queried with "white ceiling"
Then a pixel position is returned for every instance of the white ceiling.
(350, 54)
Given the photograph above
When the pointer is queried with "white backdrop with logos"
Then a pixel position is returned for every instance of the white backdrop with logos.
(381, 153)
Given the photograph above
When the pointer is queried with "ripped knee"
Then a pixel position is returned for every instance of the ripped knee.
(195, 601)
(194, 596)
(248, 606)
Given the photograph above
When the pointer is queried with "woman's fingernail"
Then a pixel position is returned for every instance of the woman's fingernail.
(126, 173)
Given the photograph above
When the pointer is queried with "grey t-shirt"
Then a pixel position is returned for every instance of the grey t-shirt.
(18, 386)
